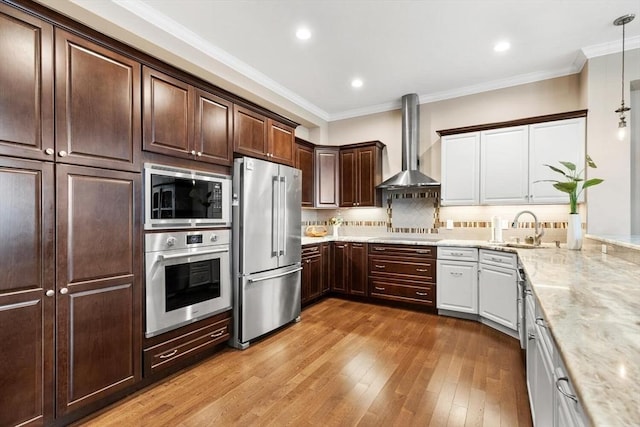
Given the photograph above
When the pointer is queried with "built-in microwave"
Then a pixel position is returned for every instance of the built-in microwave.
(182, 198)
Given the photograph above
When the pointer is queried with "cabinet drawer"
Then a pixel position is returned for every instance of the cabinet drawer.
(498, 258)
(310, 249)
(398, 291)
(412, 268)
(460, 254)
(410, 250)
(163, 355)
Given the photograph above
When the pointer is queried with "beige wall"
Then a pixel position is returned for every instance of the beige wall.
(608, 205)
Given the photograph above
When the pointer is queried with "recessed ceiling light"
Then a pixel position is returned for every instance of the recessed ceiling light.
(502, 46)
(303, 33)
(356, 83)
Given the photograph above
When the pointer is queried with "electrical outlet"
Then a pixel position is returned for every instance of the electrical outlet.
(449, 224)
(504, 224)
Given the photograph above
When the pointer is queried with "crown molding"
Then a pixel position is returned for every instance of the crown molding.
(608, 48)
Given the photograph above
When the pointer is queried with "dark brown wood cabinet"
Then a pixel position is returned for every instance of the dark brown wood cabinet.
(327, 177)
(360, 173)
(304, 160)
(97, 105)
(98, 336)
(311, 279)
(259, 136)
(350, 268)
(327, 267)
(170, 351)
(404, 273)
(183, 121)
(27, 292)
(26, 83)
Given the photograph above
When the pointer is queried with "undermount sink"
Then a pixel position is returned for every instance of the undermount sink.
(519, 245)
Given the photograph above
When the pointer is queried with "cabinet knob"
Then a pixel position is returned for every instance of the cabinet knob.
(50, 293)
(64, 291)
(199, 153)
(62, 153)
(49, 151)
(193, 152)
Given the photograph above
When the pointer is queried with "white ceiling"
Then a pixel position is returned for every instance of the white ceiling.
(436, 48)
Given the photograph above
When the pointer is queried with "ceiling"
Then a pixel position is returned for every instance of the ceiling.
(436, 48)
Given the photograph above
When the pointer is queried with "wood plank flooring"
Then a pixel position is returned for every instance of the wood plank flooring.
(346, 364)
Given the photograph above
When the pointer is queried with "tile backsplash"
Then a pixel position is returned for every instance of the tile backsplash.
(419, 213)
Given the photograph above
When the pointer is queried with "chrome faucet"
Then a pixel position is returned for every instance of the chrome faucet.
(539, 231)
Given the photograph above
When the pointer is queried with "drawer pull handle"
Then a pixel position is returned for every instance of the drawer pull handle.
(377, 248)
(378, 288)
(422, 294)
(380, 266)
(423, 251)
(455, 273)
(457, 254)
(496, 259)
(421, 270)
(168, 355)
(564, 393)
(340, 247)
(531, 336)
(218, 334)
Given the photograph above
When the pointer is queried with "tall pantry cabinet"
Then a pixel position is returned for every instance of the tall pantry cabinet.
(71, 291)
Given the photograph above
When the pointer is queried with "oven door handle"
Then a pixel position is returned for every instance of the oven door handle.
(261, 279)
(188, 254)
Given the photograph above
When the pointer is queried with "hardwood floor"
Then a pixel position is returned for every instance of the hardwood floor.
(347, 364)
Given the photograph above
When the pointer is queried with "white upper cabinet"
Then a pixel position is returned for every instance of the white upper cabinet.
(503, 166)
(549, 143)
(504, 157)
(460, 169)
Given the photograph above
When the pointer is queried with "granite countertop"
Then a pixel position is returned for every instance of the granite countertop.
(591, 302)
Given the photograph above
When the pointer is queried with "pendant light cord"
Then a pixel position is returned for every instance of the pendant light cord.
(622, 85)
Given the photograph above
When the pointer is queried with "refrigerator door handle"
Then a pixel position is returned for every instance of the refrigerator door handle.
(283, 249)
(275, 222)
(275, 276)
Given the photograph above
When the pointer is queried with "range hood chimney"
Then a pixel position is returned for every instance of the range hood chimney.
(410, 176)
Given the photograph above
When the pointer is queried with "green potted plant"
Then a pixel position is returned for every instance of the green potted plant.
(573, 184)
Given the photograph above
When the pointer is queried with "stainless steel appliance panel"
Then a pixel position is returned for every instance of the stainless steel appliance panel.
(259, 201)
(203, 287)
(269, 300)
(290, 249)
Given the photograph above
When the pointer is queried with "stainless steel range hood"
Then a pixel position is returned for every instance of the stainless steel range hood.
(410, 176)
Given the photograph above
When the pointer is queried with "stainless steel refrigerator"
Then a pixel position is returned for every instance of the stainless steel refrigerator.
(266, 242)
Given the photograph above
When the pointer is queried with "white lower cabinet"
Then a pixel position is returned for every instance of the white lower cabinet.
(552, 398)
(457, 288)
(498, 288)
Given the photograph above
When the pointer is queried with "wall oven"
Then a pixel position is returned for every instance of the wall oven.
(181, 198)
(188, 277)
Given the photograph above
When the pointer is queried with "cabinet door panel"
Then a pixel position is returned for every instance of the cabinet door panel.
(550, 143)
(366, 178)
(327, 263)
(327, 177)
(99, 324)
(457, 288)
(213, 128)
(97, 105)
(304, 160)
(498, 295)
(249, 132)
(358, 269)
(167, 125)
(281, 139)
(461, 169)
(348, 178)
(341, 268)
(26, 79)
(26, 314)
(504, 177)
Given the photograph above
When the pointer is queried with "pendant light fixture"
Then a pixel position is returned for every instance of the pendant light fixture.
(622, 124)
